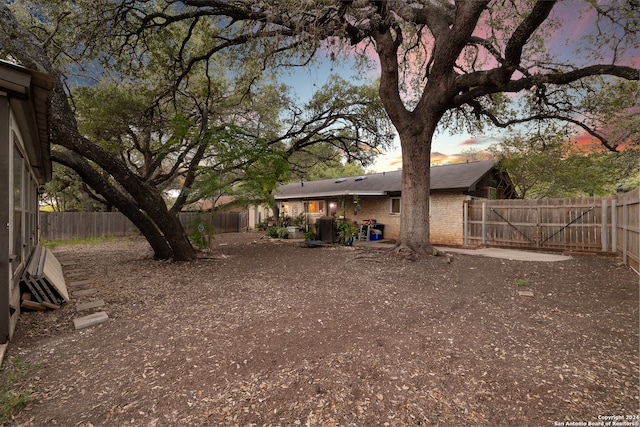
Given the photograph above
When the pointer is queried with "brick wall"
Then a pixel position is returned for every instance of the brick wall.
(446, 215)
(378, 208)
(447, 218)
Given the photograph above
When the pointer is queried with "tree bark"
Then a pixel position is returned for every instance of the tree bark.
(158, 243)
(414, 238)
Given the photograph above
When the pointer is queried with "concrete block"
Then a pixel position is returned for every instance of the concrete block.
(525, 293)
(90, 320)
(79, 283)
(84, 292)
(89, 305)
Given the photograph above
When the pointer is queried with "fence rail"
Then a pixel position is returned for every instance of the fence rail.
(627, 214)
(72, 225)
(590, 224)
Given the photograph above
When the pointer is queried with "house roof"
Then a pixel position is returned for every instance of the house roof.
(458, 177)
(30, 93)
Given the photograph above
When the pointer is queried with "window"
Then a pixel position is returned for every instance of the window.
(395, 205)
(18, 193)
(316, 207)
(17, 178)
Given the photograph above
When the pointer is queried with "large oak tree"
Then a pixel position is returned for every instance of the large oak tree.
(439, 62)
(155, 119)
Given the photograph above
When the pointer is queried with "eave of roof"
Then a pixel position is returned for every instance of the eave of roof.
(30, 93)
(458, 177)
(304, 195)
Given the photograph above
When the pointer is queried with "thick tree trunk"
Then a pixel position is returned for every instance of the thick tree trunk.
(414, 210)
(65, 132)
(127, 207)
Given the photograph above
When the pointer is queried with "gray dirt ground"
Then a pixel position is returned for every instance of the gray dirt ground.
(261, 332)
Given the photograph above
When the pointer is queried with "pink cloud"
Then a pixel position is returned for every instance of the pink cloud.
(468, 142)
(478, 140)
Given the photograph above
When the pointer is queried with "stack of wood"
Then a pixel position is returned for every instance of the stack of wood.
(43, 282)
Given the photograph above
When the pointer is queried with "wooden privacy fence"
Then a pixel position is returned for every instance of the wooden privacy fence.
(590, 224)
(222, 222)
(72, 225)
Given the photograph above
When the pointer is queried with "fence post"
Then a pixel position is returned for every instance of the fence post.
(604, 238)
(466, 223)
(625, 230)
(614, 225)
(484, 223)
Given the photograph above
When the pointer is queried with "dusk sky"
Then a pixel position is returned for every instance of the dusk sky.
(446, 148)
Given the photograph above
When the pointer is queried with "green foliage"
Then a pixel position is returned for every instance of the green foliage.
(346, 232)
(277, 232)
(334, 170)
(300, 220)
(310, 236)
(12, 400)
(268, 222)
(66, 192)
(272, 231)
(285, 220)
(520, 282)
(201, 239)
(547, 165)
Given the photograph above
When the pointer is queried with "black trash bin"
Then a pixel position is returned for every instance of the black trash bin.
(326, 229)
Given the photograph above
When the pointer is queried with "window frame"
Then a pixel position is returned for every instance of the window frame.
(391, 211)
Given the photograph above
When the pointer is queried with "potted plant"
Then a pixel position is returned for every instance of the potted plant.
(346, 233)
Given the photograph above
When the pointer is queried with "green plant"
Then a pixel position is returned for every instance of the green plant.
(272, 231)
(300, 220)
(268, 222)
(202, 235)
(10, 399)
(346, 232)
(310, 236)
(285, 220)
(277, 232)
(520, 282)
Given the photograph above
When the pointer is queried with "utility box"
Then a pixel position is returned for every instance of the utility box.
(326, 229)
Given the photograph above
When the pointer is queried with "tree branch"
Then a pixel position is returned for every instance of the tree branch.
(481, 86)
(479, 110)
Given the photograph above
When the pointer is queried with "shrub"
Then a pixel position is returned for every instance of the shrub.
(201, 239)
(272, 232)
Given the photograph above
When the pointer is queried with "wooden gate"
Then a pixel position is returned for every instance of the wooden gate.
(582, 224)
